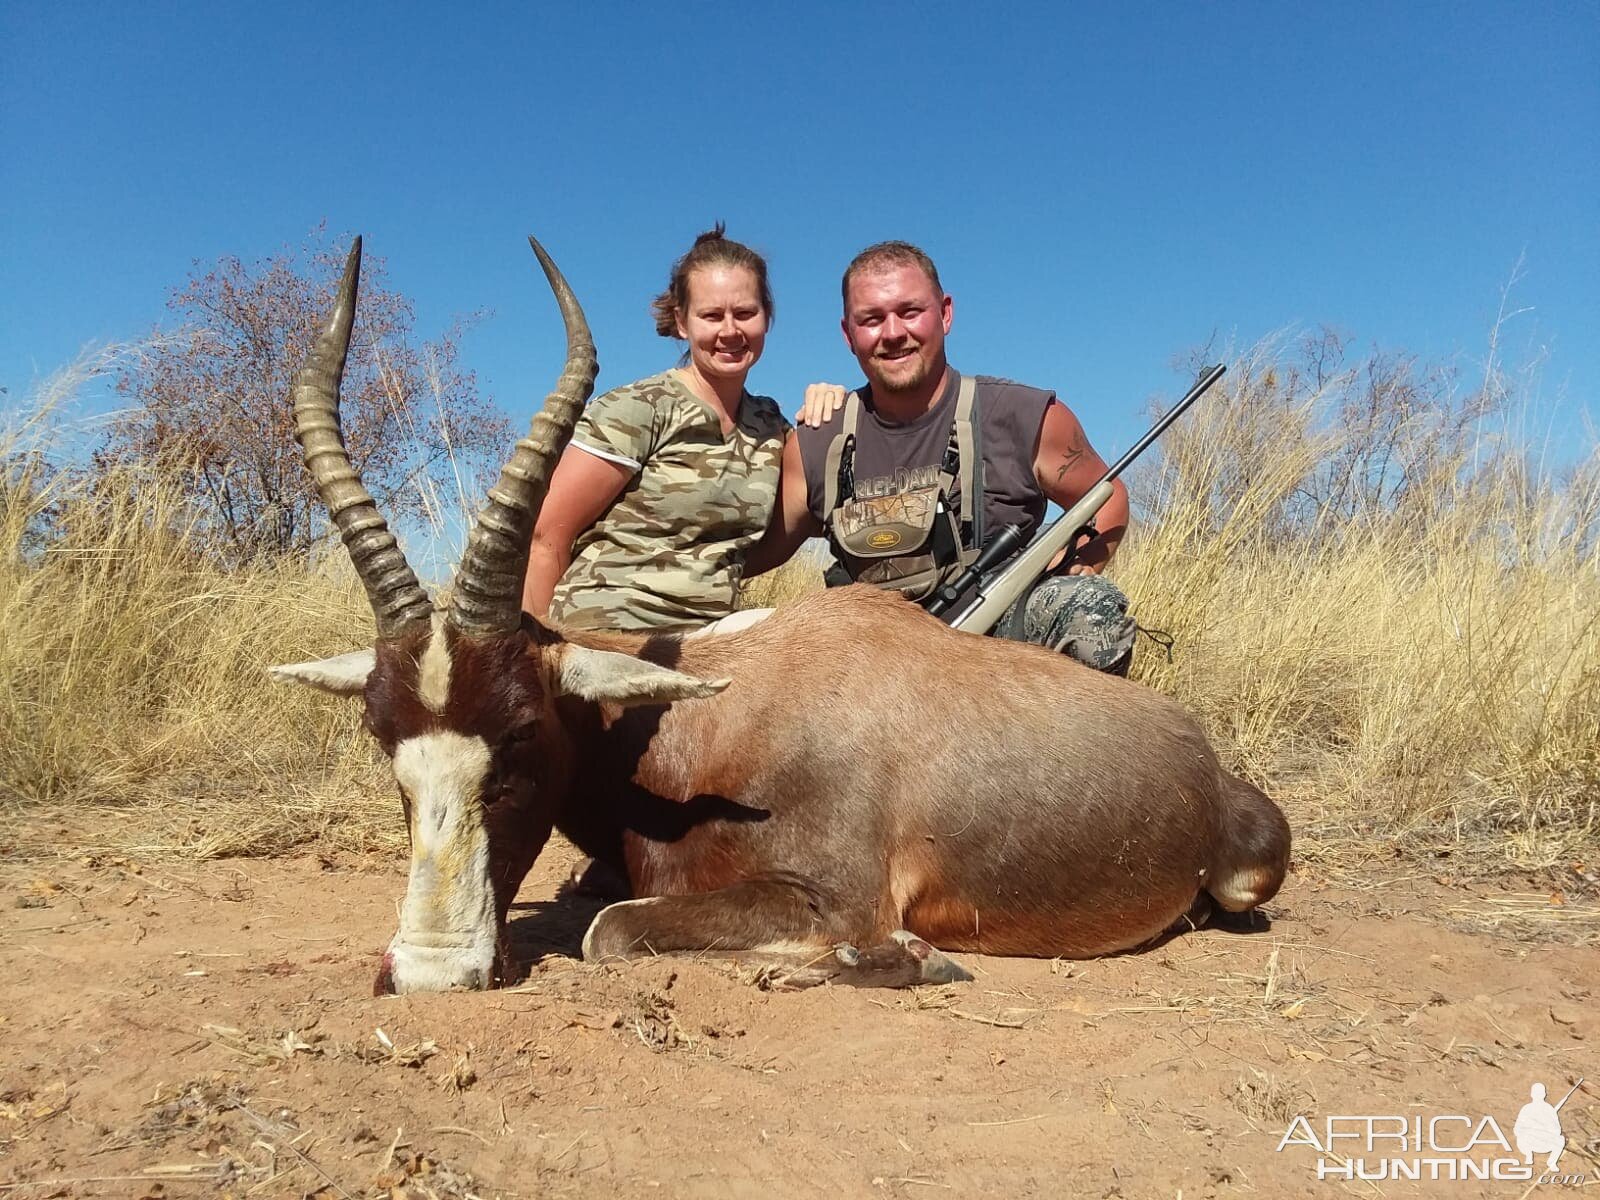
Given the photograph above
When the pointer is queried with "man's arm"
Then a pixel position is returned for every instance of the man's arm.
(1066, 467)
(792, 522)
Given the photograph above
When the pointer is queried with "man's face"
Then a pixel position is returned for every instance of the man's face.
(895, 322)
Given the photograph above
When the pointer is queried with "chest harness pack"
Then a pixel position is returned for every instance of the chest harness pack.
(907, 531)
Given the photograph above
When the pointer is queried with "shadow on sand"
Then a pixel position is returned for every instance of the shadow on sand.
(539, 929)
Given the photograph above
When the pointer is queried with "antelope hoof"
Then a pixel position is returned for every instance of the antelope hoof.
(934, 965)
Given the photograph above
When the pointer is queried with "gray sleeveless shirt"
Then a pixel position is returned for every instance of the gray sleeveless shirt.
(887, 454)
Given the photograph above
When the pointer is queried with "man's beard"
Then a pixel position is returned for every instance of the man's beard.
(921, 369)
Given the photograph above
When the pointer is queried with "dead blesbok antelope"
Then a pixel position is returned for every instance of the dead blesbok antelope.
(836, 790)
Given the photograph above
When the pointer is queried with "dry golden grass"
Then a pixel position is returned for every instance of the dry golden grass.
(786, 584)
(1424, 668)
(133, 673)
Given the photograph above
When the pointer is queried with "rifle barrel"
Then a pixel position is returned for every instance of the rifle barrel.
(996, 592)
(1207, 378)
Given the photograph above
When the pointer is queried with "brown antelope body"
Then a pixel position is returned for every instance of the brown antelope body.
(839, 788)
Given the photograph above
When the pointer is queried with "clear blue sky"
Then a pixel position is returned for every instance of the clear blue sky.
(1103, 186)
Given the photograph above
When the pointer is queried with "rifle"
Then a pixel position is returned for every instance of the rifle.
(1568, 1096)
(992, 588)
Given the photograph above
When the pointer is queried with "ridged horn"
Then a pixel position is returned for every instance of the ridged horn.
(398, 601)
(488, 590)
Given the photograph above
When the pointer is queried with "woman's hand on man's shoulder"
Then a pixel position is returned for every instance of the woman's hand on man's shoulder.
(821, 402)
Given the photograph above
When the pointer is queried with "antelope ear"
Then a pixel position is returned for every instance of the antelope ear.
(343, 675)
(604, 675)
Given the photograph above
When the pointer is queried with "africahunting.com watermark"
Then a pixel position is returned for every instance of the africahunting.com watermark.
(1442, 1145)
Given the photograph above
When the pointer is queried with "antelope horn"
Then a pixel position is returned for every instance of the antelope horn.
(488, 591)
(398, 601)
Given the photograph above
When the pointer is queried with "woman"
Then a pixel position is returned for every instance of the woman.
(668, 481)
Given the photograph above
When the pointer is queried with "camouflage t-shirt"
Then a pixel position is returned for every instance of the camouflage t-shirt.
(669, 552)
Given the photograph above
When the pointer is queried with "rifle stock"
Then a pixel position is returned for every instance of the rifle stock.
(998, 590)
(997, 593)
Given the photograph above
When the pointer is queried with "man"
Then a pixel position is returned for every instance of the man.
(888, 473)
(1538, 1128)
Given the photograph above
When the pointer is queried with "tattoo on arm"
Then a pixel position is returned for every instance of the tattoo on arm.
(1075, 451)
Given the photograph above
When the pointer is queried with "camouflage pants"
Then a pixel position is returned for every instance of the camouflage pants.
(1083, 616)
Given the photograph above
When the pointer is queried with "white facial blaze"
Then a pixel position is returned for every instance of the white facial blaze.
(433, 671)
(447, 922)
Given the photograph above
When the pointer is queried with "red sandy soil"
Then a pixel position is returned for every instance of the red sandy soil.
(209, 1030)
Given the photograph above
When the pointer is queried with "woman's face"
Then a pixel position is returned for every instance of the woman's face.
(723, 322)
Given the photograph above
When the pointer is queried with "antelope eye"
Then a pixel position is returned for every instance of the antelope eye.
(507, 787)
(521, 735)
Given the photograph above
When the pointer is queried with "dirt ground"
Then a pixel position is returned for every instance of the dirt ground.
(173, 1031)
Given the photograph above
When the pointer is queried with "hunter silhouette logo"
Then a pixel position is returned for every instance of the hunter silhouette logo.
(1442, 1146)
(1538, 1127)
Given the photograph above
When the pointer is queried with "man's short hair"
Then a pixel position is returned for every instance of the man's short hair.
(889, 254)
